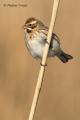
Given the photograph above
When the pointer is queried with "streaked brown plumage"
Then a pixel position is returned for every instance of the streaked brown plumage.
(35, 39)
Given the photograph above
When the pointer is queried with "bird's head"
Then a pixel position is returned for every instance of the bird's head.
(32, 24)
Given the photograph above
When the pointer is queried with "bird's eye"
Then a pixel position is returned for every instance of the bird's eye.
(30, 25)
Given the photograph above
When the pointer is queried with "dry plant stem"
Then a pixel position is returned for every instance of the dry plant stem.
(42, 69)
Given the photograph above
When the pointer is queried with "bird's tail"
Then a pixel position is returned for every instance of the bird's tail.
(64, 57)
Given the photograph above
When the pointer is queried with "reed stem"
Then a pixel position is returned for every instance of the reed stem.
(42, 68)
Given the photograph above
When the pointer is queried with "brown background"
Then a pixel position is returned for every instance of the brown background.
(60, 95)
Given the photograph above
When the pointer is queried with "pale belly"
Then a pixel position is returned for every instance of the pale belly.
(36, 47)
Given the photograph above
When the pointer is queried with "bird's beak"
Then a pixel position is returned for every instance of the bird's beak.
(23, 27)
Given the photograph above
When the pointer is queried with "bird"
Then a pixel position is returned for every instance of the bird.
(35, 32)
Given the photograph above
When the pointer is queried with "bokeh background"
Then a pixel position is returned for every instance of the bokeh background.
(60, 95)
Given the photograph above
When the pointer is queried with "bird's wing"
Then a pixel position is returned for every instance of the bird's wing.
(54, 36)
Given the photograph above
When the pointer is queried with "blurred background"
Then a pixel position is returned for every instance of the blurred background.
(60, 95)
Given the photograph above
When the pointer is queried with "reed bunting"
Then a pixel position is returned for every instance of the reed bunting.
(36, 37)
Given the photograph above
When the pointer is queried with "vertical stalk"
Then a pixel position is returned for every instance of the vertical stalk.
(42, 69)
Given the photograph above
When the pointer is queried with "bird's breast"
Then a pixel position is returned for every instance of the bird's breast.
(36, 46)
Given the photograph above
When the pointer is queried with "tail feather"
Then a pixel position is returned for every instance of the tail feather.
(64, 57)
